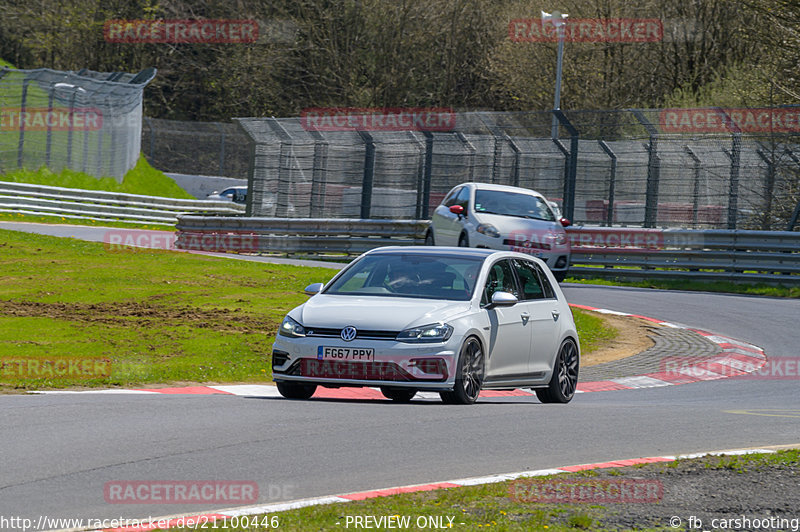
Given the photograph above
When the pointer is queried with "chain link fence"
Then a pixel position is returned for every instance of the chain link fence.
(86, 121)
(691, 168)
(196, 148)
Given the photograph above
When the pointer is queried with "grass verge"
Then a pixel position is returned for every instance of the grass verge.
(507, 506)
(700, 286)
(62, 220)
(156, 317)
(141, 179)
(592, 330)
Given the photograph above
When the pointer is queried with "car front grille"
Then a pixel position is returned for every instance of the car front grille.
(526, 244)
(354, 370)
(320, 332)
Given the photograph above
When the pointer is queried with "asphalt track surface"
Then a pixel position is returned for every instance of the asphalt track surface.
(58, 451)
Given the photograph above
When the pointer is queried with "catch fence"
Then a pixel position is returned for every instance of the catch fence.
(701, 168)
(85, 121)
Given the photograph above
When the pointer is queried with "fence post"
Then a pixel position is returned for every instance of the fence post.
(795, 215)
(251, 166)
(515, 169)
(21, 146)
(653, 171)
(49, 140)
(612, 182)
(318, 172)
(472, 151)
(696, 191)
(70, 128)
(369, 174)
(99, 154)
(497, 154)
(282, 192)
(426, 178)
(420, 173)
(769, 187)
(733, 192)
(3, 72)
(570, 163)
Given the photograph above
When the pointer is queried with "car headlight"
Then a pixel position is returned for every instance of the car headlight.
(488, 230)
(437, 332)
(291, 328)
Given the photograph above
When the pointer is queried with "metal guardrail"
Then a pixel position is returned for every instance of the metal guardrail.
(296, 235)
(622, 253)
(97, 205)
(719, 255)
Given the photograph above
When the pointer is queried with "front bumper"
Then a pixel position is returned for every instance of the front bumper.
(396, 364)
(557, 257)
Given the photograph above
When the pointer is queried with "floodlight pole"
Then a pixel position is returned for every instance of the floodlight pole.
(559, 21)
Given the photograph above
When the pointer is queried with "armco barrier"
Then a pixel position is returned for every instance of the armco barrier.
(44, 200)
(625, 253)
(721, 255)
(300, 235)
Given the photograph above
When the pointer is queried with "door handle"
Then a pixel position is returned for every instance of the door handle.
(525, 317)
(555, 314)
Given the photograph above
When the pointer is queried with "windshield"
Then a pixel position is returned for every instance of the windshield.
(512, 204)
(411, 275)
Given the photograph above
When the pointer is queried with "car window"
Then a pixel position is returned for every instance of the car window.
(449, 277)
(500, 279)
(549, 293)
(450, 199)
(512, 204)
(463, 198)
(529, 279)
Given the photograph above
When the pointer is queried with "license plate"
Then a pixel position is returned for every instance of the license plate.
(528, 251)
(345, 353)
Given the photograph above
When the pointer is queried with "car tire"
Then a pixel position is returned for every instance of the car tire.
(469, 375)
(296, 390)
(560, 275)
(564, 381)
(429, 239)
(398, 395)
(463, 241)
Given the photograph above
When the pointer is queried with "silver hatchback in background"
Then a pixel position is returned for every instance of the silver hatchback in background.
(502, 217)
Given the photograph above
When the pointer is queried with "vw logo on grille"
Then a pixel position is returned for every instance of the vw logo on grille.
(349, 333)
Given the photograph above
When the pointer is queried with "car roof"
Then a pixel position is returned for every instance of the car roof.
(433, 250)
(480, 253)
(502, 188)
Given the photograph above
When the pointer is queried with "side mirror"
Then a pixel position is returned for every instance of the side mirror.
(565, 222)
(457, 209)
(503, 299)
(313, 289)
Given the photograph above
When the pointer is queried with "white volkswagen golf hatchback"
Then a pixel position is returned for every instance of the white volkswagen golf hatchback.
(483, 215)
(445, 319)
